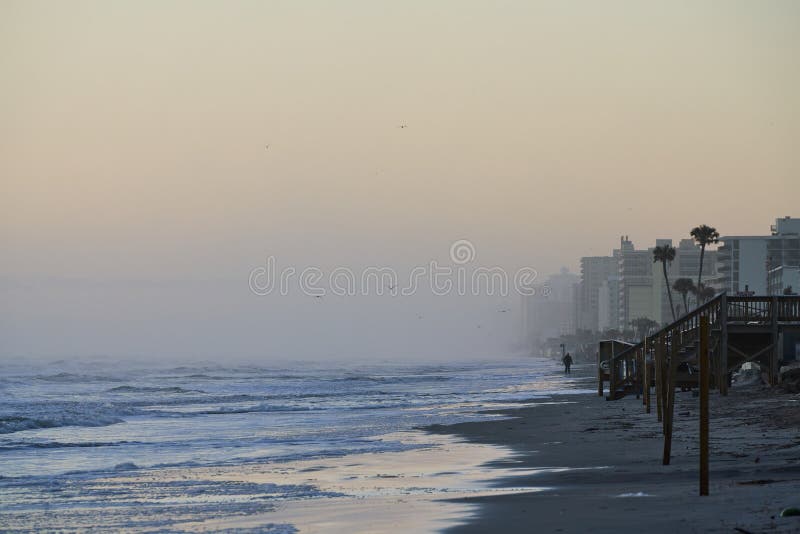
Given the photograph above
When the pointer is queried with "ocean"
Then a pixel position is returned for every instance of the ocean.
(86, 443)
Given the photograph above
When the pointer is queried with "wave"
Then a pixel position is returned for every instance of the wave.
(137, 389)
(11, 424)
(18, 445)
(255, 409)
(17, 416)
(391, 379)
(72, 377)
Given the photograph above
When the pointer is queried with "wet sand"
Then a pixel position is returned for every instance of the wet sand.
(602, 461)
(419, 490)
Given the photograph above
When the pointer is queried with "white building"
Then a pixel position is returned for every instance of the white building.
(635, 284)
(595, 272)
(783, 278)
(608, 304)
(550, 311)
(746, 260)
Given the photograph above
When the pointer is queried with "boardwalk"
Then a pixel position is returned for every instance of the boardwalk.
(701, 349)
(742, 329)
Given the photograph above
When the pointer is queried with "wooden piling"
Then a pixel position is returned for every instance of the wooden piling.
(647, 367)
(723, 345)
(612, 375)
(645, 378)
(659, 377)
(775, 355)
(705, 373)
(639, 375)
(599, 374)
(669, 407)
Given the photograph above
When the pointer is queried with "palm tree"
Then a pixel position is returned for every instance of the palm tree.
(703, 293)
(611, 333)
(684, 286)
(665, 254)
(642, 326)
(703, 235)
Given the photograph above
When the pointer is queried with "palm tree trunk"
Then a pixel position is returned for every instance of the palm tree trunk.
(685, 295)
(700, 274)
(669, 291)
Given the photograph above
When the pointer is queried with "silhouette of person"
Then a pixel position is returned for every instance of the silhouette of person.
(567, 360)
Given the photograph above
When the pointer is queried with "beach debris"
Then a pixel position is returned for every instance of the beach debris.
(790, 377)
(125, 466)
(748, 374)
(790, 512)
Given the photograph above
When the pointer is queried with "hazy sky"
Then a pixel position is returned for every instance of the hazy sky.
(136, 193)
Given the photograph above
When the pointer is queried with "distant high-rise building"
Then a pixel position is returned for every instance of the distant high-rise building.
(608, 304)
(550, 311)
(783, 280)
(635, 283)
(747, 260)
(595, 271)
(642, 289)
(687, 258)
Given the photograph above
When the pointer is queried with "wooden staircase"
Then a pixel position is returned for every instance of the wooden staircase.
(718, 336)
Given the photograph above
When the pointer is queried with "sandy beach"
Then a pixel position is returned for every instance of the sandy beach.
(602, 463)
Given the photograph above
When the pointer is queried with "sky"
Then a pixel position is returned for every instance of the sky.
(152, 154)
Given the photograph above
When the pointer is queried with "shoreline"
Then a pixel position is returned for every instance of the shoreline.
(602, 463)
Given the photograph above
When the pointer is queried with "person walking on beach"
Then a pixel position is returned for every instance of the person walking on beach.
(567, 360)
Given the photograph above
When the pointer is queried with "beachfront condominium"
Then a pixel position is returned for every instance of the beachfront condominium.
(616, 289)
(550, 311)
(608, 304)
(746, 263)
(783, 280)
(635, 283)
(642, 289)
(595, 274)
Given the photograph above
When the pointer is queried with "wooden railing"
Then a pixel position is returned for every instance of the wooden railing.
(785, 309)
(662, 361)
(629, 366)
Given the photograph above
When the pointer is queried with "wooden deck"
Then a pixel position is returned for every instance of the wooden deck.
(742, 329)
(709, 343)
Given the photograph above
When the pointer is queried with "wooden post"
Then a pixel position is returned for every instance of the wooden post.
(612, 375)
(774, 365)
(723, 345)
(646, 380)
(705, 369)
(638, 374)
(659, 377)
(599, 370)
(669, 407)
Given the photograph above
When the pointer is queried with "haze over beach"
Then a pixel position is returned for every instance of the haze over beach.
(137, 194)
(259, 257)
